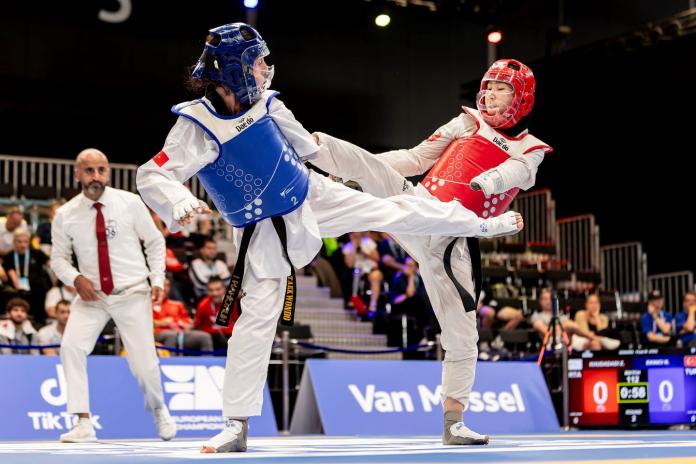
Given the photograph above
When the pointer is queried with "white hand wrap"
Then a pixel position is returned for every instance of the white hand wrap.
(187, 207)
(490, 182)
(505, 224)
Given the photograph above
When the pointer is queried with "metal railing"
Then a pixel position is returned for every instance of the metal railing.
(25, 174)
(673, 285)
(539, 212)
(625, 269)
(578, 242)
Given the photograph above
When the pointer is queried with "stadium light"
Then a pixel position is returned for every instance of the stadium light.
(383, 20)
(494, 37)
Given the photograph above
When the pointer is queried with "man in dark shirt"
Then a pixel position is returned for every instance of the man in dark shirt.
(409, 296)
(26, 270)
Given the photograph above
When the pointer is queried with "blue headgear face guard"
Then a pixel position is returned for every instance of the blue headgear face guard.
(257, 74)
(233, 56)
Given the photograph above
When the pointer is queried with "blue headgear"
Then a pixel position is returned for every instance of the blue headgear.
(228, 58)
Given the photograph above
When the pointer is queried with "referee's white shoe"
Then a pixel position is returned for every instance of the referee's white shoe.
(166, 427)
(82, 432)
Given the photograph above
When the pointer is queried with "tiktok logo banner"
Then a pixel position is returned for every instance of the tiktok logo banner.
(34, 396)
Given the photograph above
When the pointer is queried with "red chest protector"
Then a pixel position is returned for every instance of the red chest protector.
(466, 158)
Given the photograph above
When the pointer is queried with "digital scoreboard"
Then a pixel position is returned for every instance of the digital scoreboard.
(635, 388)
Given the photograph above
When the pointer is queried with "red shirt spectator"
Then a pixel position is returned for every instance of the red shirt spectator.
(172, 262)
(207, 309)
(206, 312)
(172, 315)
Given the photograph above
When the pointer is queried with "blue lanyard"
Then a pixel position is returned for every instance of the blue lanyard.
(26, 263)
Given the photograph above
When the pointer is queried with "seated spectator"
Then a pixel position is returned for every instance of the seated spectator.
(361, 255)
(207, 266)
(43, 231)
(56, 294)
(409, 296)
(8, 225)
(486, 312)
(172, 263)
(541, 321)
(26, 269)
(173, 326)
(686, 320)
(333, 253)
(199, 228)
(492, 312)
(391, 256)
(52, 334)
(510, 317)
(592, 321)
(17, 330)
(206, 314)
(656, 323)
(7, 291)
(179, 279)
(196, 232)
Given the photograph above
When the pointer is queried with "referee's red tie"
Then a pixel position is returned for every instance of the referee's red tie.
(107, 284)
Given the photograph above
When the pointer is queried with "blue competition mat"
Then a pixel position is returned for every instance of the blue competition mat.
(626, 447)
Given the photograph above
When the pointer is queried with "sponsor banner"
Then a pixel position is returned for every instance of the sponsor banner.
(403, 397)
(33, 398)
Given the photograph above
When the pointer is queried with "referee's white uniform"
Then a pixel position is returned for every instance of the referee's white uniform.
(127, 222)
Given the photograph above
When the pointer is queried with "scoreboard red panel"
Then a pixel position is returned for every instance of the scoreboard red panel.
(599, 402)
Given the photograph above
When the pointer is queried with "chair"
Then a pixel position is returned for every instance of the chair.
(7, 190)
(518, 340)
(512, 248)
(590, 277)
(492, 275)
(38, 192)
(69, 192)
(528, 277)
(487, 246)
(542, 248)
(555, 276)
(486, 335)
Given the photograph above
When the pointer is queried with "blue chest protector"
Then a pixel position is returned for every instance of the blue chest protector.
(257, 174)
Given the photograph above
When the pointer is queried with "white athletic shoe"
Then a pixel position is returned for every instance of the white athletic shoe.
(166, 427)
(456, 433)
(609, 343)
(82, 432)
(232, 439)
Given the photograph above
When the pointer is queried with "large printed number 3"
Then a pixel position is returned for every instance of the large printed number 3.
(118, 16)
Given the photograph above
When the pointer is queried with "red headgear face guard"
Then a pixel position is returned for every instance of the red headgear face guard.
(520, 77)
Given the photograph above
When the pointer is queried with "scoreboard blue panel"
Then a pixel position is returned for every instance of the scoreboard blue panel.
(634, 388)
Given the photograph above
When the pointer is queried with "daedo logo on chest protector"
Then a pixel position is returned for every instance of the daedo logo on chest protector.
(244, 124)
(502, 143)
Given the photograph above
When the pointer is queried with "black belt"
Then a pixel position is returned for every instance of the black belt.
(470, 303)
(233, 289)
(235, 286)
(288, 315)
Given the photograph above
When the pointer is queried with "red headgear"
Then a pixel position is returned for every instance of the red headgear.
(521, 79)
